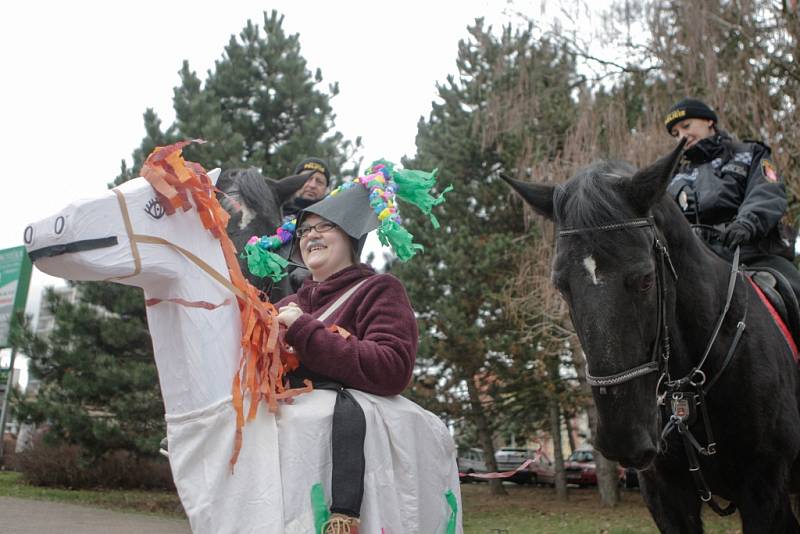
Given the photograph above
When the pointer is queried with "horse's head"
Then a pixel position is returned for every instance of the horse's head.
(610, 268)
(254, 201)
(105, 238)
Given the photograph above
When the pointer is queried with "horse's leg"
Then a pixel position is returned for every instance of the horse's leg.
(765, 505)
(672, 501)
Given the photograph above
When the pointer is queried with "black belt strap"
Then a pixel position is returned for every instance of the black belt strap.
(348, 431)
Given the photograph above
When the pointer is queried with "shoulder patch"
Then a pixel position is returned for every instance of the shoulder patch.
(768, 169)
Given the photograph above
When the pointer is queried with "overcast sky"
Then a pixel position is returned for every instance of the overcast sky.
(77, 77)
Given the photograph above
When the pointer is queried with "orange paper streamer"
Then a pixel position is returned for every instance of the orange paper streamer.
(265, 359)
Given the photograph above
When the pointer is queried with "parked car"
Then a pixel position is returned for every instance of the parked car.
(470, 461)
(543, 470)
(581, 469)
(510, 458)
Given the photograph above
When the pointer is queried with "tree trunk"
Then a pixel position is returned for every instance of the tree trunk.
(558, 453)
(570, 432)
(607, 479)
(484, 436)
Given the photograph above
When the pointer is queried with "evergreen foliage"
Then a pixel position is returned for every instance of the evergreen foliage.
(457, 285)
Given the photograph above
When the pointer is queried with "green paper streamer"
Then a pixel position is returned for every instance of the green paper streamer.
(415, 187)
(320, 507)
(402, 242)
(452, 502)
(263, 263)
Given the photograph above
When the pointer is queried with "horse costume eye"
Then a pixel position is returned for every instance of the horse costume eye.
(154, 208)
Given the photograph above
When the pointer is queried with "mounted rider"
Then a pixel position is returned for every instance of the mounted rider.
(314, 190)
(733, 187)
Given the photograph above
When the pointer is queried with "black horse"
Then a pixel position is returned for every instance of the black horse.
(254, 203)
(687, 366)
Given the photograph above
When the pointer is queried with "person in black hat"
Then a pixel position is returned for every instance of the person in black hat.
(733, 187)
(315, 188)
(378, 357)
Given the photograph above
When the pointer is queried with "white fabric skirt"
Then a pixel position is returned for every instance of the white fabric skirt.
(410, 467)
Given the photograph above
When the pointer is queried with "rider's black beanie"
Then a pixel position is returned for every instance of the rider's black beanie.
(688, 108)
(314, 164)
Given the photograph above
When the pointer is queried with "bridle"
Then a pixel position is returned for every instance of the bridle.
(688, 393)
(659, 357)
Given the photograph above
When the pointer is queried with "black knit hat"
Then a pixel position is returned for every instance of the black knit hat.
(688, 108)
(314, 164)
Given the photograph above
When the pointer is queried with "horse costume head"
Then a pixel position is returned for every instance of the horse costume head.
(165, 233)
(96, 239)
(610, 267)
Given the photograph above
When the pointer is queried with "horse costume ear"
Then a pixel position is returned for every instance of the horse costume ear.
(538, 196)
(286, 187)
(214, 175)
(650, 183)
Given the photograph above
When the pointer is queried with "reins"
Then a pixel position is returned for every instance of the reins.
(686, 393)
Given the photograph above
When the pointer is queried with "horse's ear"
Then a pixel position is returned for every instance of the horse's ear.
(538, 196)
(286, 187)
(214, 175)
(648, 184)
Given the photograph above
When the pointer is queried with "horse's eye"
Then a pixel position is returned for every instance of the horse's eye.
(647, 282)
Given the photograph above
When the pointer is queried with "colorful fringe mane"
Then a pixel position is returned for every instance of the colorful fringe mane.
(264, 361)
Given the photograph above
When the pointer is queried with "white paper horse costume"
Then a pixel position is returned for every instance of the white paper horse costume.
(125, 236)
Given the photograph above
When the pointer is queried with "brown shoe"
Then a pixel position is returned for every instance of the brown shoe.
(340, 524)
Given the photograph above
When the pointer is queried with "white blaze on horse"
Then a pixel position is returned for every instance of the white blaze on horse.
(411, 481)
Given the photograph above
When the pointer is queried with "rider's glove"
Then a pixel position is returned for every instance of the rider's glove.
(736, 234)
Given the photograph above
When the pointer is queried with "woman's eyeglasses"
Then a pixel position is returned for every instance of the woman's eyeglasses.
(320, 227)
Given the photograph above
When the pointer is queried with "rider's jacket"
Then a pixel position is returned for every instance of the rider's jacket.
(720, 180)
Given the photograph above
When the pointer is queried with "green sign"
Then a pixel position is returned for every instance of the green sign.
(15, 278)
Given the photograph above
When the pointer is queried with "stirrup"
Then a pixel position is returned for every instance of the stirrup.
(340, 524)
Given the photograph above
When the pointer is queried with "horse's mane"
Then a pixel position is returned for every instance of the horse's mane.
(250, 187)
(593, 196)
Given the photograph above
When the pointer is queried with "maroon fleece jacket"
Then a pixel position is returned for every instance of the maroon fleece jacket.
(379, 355)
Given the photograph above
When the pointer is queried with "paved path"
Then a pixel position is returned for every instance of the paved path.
(23, 516)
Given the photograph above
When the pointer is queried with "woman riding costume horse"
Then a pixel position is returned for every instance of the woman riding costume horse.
(248, 451)
(694, 384)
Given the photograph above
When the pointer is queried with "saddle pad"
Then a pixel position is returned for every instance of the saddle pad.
(777, 318)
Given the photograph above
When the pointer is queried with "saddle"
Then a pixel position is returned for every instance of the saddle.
(780, 295)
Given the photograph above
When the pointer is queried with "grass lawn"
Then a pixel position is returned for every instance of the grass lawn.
(525, 510)
(528, 509)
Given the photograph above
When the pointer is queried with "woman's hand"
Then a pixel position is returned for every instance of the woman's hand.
(287, 315)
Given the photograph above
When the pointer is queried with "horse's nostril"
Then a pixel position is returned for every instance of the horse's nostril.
(27, 236)
(59, 225)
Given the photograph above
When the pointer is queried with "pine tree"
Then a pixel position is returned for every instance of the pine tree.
(457, 284)
(99, 387)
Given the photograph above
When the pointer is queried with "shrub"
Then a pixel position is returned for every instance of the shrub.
(67, 466)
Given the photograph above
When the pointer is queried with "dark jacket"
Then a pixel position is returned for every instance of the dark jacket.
(720, 181)
(379, 355)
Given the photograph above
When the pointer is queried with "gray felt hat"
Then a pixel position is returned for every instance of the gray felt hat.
(349, 210)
